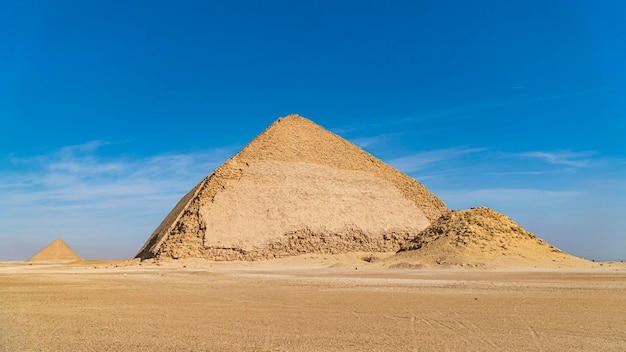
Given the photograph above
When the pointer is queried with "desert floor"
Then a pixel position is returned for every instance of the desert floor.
(301, 306)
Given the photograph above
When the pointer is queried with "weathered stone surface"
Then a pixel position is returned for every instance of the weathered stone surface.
(296, 188)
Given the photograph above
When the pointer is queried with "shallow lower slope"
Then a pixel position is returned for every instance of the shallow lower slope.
(480, 237)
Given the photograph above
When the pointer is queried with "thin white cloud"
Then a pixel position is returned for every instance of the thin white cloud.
(568, 158)
(77, 192)
(420, 160)
(87, 147)
(513, 173)
(373, 141)
(469, 197)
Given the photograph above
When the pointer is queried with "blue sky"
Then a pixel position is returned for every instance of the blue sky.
(110, 111)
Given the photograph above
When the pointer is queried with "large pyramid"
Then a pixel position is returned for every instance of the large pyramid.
(296, 188)
(57, 251)
(481, 237)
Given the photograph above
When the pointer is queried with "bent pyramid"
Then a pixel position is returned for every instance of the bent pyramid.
(296, 188)
(57, 251)
(483, 237)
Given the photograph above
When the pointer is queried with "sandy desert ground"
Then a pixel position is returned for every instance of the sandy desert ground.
(311, 303)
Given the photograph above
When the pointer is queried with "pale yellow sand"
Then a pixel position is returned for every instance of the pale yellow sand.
(310, 303)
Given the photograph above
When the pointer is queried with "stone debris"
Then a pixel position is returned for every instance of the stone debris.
(477, 237)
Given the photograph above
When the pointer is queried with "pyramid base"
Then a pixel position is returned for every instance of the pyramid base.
(297, 243)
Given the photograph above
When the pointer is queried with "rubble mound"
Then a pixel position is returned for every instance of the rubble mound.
(56, 252)
(296, 188)
(480, 237)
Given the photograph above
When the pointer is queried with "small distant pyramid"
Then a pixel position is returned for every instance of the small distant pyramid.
(481, 236)
(57, 251)
(296, 188)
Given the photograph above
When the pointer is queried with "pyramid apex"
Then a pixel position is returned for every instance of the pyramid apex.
(292, 118)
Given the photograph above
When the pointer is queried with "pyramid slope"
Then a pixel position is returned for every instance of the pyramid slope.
(481, 237)
(57, 251)
(296, 188)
